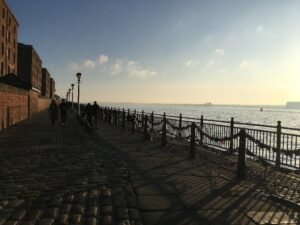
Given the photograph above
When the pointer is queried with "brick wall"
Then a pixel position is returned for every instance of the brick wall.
(17, 104)
(13, 105)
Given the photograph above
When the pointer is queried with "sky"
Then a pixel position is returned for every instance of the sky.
(168, 51)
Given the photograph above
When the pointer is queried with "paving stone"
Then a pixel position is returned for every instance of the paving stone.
(34, 215)
(62, 219)
(19, 214)
(131, 202)
(159, 202)
(105, 201)
(120, 201)
(78, 209)
(51, 213)
(92, 211)
(107, 209)
(15, 203)
(124, 222)
(28, 222)
(107, 220)
(75, 218)
(46, 221)
(91, 221)
(122, 213)
(134, 214)
(11, 222)
(2, 221)
(65, 208)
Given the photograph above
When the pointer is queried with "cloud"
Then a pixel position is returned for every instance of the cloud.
(117, 67)
(219, 51)
(103, 59)
(73, 66)
(89, 64)
(211, 63)
(247, 64)
(259, 29)
(180, 24)
(135, 70)
(188, 63)
(132, 69)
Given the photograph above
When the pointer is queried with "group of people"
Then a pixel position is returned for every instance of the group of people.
(53, 109)
(90, 111)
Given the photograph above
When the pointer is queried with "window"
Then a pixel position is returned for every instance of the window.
(2, 68)
(3, 30)
(2, 48)
(9, 21)
(14, 43)
(3, 13)
(14, 58)
(8, 54)
(8, 69)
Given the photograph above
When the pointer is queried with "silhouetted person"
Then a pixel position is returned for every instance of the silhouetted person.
(53, 109)
(89, 113)
(63, 112)
(95, 112)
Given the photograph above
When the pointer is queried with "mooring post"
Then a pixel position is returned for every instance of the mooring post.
(231, 134)
(123, 119)
(278, 146)
(133, 124)
(164, 131)
(192, 142)
(152, 121)
(143, 118)
(180, 126)
(201, 129)
(241, 165)
(145, 128)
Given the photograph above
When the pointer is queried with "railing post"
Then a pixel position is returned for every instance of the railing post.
(133, 124)
(241, 165)
(164, 131)
(152, 121)
(278, 146)
(180, 126)
(145, 128)
(201, 129)
(231, 134)
(192, 142)
(123, 119)
(128, 113)
(142, 118)
(118, 117)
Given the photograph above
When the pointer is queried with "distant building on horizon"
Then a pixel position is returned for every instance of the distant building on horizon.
(8, 40)
(30, 66)
(293, 105)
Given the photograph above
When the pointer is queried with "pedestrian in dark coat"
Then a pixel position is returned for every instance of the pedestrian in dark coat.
(63, 112)
(89, 113)
(53, 109)
(95, 112)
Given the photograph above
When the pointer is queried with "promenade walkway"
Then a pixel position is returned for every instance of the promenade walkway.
(63, 175)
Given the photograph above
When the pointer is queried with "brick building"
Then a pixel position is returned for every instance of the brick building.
(30, 66)
(8, 40)
(45, 83)
(52, 88)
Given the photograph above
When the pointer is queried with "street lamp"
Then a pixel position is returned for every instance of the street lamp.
(78, 75)
(72, 85)
(69, 94)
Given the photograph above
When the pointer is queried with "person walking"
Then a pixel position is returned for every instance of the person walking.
(63, 112)
(53, 109)
(95, 112)
(88, 112)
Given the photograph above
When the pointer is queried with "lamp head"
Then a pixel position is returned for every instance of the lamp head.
(78, 75)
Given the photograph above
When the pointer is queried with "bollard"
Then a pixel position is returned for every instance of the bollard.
(152, 121)
(241, 165)
(123, 119)
(143, 115)
(133, 124)
(278, 147)
(192, 142)
(231, 133)
(164, 131)
(180, 126)
(145, 128)
(201, 128)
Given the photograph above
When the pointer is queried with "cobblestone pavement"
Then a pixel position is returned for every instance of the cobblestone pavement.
(174, 190)
(51, 174)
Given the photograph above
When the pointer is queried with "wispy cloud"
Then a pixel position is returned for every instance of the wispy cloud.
(73, 66)
(89, 64)
(188, 63)
(211, 63)
(259, 29)
(247, 64)
(219, 52)
(103, 59)
(132, 69)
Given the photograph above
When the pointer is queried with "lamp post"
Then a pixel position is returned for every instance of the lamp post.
(72, 85)
(69, 94)
(78, 75)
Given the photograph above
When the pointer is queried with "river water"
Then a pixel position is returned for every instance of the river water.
(246, 114)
